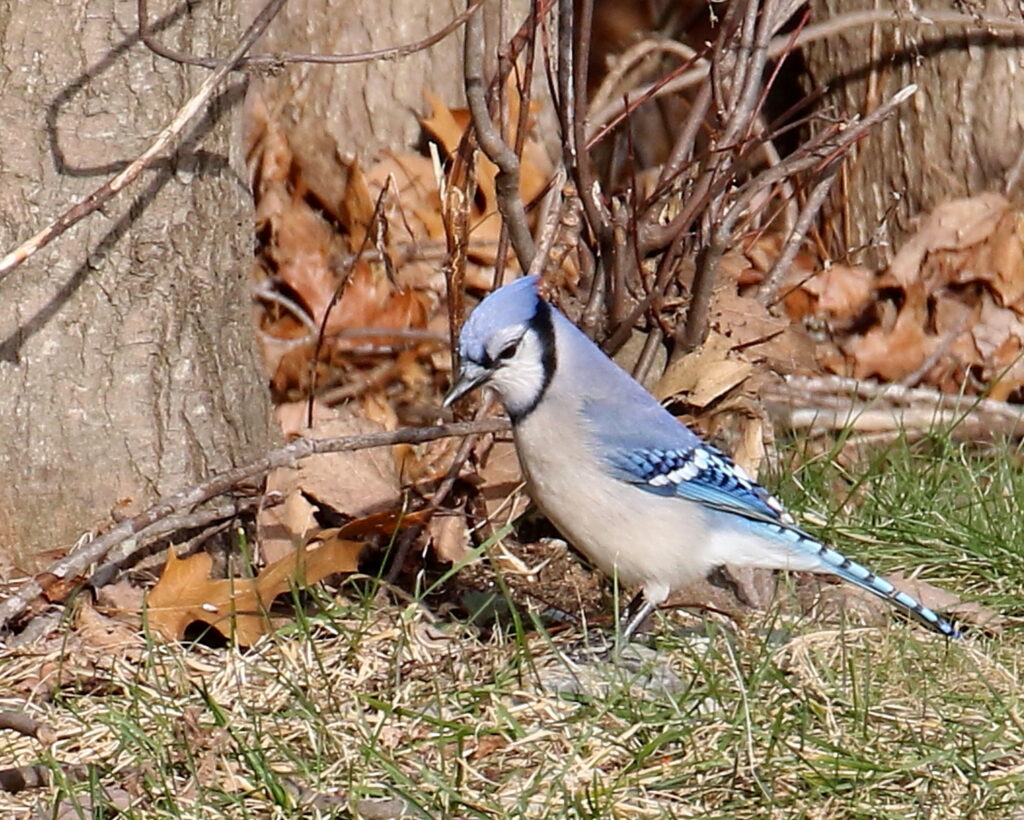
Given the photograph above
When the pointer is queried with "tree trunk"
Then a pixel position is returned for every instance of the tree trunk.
(126, 348)
(960, 134)
(371, 107)
(365, 107)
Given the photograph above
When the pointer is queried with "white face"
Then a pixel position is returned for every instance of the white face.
(518, 375)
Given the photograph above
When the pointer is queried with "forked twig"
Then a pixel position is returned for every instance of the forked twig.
(506, 182)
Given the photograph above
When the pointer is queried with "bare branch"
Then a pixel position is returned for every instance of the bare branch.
(285, 57)
(574, 48)
(378, 210)
(205, 517)
(680, 81)
(820, 154)
(796, 236)
(524, 86)
(506, 182)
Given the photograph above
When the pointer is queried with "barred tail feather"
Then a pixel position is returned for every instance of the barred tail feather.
(782, 545)
(860, 576)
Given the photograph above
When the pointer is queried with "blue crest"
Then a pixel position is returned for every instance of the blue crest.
(513, 305)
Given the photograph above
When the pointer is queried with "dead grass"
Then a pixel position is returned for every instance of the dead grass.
(363, 703)
(829, 723)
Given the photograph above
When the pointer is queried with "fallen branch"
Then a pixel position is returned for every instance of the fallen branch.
(27, 725)
(206, 518)
(77, 562)
(830, 403)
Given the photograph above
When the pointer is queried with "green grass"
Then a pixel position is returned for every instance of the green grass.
(788, 717)
(936, 504)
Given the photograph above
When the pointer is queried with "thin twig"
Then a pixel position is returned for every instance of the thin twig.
(599, 120)
(77, 562)
(506, 182)
(796, 237)
(165, 138)
(375, 219)
(738, 70)
(577, 39)
(645, 361)
(266, 291)
(637, 59)
(285, 57)
(682, 150)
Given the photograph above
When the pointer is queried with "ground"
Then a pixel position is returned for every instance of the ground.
(367, 708)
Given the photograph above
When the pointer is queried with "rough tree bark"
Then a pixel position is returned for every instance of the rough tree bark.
(960, 135)
(367, 108)
(127, 363)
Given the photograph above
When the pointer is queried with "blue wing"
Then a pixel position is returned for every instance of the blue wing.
(703, 474)
(700, 473)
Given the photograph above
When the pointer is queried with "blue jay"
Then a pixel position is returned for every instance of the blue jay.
(637, 491)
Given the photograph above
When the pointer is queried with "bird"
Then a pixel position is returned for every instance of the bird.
(638, 492)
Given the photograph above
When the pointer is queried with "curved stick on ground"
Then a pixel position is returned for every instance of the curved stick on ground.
(77, 562)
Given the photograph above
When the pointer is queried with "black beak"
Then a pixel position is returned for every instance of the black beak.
(469, 379)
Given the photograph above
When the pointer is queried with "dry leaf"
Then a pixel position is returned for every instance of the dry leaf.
(781, 345)
(749, 453)
(953, 225)
(841, 292)
(999, 338)
(122, 600)
(238, 607)
(352, 484)
(449, 537)
(705, 374)
(500, 478)
(383, 523)
(282, 528)
(892, 355)
(101, 632)
(1007, 261)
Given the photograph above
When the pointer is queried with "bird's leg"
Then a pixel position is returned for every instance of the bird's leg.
(636, 613)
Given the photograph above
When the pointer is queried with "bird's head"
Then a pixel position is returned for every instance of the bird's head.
(508, 342)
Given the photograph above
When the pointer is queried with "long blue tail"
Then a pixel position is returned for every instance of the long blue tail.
(864, 578)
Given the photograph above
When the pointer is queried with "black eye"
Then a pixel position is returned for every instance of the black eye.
(508, 351)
